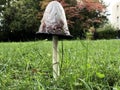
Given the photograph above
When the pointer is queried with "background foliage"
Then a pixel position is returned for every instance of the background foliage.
(81, 15)
(107, 32)
(20, 19)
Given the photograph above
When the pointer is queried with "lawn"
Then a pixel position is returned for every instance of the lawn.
(86, 65)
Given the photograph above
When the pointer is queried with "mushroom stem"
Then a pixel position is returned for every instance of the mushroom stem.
(56, 71)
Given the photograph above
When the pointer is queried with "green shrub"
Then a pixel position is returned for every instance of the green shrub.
(106, 32)
(89, 36)
(3, 36)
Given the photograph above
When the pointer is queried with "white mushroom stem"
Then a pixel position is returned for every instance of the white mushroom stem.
(56, 71)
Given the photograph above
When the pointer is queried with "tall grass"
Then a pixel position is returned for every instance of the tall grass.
(85, 65)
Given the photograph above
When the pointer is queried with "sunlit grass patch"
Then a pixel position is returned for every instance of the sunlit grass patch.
(86, 65)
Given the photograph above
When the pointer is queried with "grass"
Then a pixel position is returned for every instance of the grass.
(86, 65)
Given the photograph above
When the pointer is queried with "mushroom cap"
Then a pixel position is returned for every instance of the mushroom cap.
(54, 21)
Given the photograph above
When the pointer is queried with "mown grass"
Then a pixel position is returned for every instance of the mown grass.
(86, 65)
